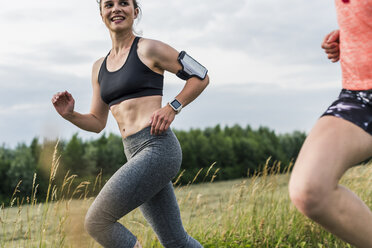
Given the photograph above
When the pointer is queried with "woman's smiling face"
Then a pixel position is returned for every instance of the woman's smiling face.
(118, 14)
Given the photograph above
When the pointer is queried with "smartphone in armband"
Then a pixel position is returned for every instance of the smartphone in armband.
(190, 67)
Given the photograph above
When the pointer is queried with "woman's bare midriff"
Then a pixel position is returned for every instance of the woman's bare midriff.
(133, 115)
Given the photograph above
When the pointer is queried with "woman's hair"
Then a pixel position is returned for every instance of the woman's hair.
(135, 4)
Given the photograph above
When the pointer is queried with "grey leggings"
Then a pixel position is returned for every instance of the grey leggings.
(145, 182)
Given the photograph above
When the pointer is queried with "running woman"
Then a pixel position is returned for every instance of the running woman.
(342, 137)
(129, 83)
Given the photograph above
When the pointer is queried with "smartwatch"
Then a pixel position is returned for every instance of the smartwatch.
(175, 105)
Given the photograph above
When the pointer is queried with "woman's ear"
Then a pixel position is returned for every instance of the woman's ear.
(136, 12)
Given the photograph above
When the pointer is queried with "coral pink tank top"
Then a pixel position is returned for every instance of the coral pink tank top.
(355, 22)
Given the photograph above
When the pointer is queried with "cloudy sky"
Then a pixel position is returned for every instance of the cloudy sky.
(264, 59)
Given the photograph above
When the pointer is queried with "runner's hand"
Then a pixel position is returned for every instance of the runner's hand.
(64, 103)
(331, 45)
(161, 119)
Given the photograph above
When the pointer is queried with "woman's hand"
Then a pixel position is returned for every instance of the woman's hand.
(161, 119)
(64, 103)
(331, 45)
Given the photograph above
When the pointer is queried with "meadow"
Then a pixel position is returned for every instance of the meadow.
(249, 212)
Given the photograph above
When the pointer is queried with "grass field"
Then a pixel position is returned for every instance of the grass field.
(253, 212)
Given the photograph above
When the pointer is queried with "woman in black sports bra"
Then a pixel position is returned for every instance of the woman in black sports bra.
(129, 82)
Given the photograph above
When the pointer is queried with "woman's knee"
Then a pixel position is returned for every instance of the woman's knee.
(90, 223)
(309, 196)
(96, 222)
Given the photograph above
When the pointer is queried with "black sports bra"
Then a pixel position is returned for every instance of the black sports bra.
(134, 79)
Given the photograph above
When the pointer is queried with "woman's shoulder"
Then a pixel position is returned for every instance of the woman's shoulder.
(97, 66)
(98, 63)
(149, 42)
(151, 47)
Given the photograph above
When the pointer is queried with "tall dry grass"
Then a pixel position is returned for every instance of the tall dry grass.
(252, 212)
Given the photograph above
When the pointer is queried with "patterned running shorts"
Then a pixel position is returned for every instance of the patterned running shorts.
(354, 106)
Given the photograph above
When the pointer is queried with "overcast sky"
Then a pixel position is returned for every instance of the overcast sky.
(264, 59)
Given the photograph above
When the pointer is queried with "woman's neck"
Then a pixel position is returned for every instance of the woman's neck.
(121, 41)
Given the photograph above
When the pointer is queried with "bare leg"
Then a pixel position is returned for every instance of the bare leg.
(333, 146)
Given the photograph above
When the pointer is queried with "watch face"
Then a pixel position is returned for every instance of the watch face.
(176, 104)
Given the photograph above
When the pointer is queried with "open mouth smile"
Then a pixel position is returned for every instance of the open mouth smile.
(117, 19)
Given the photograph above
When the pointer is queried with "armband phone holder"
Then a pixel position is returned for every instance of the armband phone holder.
(190, 67)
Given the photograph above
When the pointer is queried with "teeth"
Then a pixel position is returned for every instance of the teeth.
(117, 18)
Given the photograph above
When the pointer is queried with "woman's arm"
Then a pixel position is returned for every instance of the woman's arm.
(165, 57)
(96, 119)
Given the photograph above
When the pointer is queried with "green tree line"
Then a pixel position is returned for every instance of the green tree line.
(236, 151)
